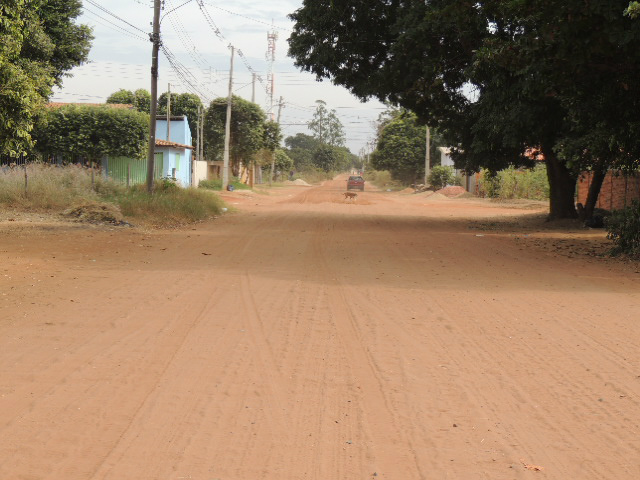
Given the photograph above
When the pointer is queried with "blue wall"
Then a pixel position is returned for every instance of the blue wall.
(180, 132)
(180, 159)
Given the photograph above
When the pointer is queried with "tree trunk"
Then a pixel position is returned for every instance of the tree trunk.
(562, 187)
(594, 190)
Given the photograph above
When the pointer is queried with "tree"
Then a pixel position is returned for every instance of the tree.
(495, 77)
(122, 96)
(70, 41)
(300, 149)
(247, 130)
(182, 104)
(401, 148)
(140, 99)
(326, 158)
(39, 43)
(93, 132)
(633, 10)
(326, 126)
(283, 163)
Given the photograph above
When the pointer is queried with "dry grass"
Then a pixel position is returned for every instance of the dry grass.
(57, 189)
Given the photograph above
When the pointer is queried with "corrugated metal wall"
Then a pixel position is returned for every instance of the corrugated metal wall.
(119, 168)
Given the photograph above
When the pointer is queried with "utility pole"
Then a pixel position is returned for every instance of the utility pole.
(155, 39)
(227, 128)
(427, 158)
(201, 154)
(169, 112)
(198, 135)
(273, 154)
(253, 87)
(280, 105)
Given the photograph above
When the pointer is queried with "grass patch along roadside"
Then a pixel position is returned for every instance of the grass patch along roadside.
(56, 190)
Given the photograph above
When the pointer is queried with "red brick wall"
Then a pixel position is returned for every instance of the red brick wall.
(617, 190)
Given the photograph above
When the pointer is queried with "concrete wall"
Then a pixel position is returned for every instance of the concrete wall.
(200, 169)
(617, 190)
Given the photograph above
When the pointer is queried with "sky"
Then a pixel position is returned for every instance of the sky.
(196, 35)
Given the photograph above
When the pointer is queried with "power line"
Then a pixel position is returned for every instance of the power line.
(97, 5)
(249, 18)
(184, 37)
(221, 37)
(131, 34)
(184, 74)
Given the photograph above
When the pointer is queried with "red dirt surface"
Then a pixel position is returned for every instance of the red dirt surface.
(305, 336)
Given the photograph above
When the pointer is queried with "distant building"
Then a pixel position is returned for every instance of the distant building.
(174, 150)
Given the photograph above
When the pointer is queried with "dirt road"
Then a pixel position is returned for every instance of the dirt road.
(305, 336)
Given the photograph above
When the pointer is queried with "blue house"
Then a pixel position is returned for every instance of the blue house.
(172, 157)
(174, 153)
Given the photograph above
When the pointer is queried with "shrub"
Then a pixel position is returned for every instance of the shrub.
(513, 183)
(216, 184)
(623, 228)
(441, 176)
(170, 207)
(382, 179)
(313, 174)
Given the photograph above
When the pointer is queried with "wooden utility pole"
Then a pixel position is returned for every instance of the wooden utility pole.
(155, 39)
(169, 112)
(427, 158)
(227, 128)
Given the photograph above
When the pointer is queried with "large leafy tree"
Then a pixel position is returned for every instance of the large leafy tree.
(91, 132)
(497, 77)
(39, 43)
(247, 130)
(326, 126)
(401, 148)
(182, 104)
(300, 148)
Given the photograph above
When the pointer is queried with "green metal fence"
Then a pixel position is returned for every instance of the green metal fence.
(132, 171)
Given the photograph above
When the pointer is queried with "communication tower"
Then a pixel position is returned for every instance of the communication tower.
(271, 58)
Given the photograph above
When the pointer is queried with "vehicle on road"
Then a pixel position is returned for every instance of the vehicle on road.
(355, 182)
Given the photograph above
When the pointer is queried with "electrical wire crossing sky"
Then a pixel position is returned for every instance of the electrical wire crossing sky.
(196, 38)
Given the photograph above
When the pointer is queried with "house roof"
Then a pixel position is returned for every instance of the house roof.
(165, 143)
(126, 106)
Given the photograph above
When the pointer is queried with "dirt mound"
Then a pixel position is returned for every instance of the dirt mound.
(451, 192)
(434, 197)
(96, 213)
(298, 181)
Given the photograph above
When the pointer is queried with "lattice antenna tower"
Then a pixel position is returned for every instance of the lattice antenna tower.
(272, 36)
